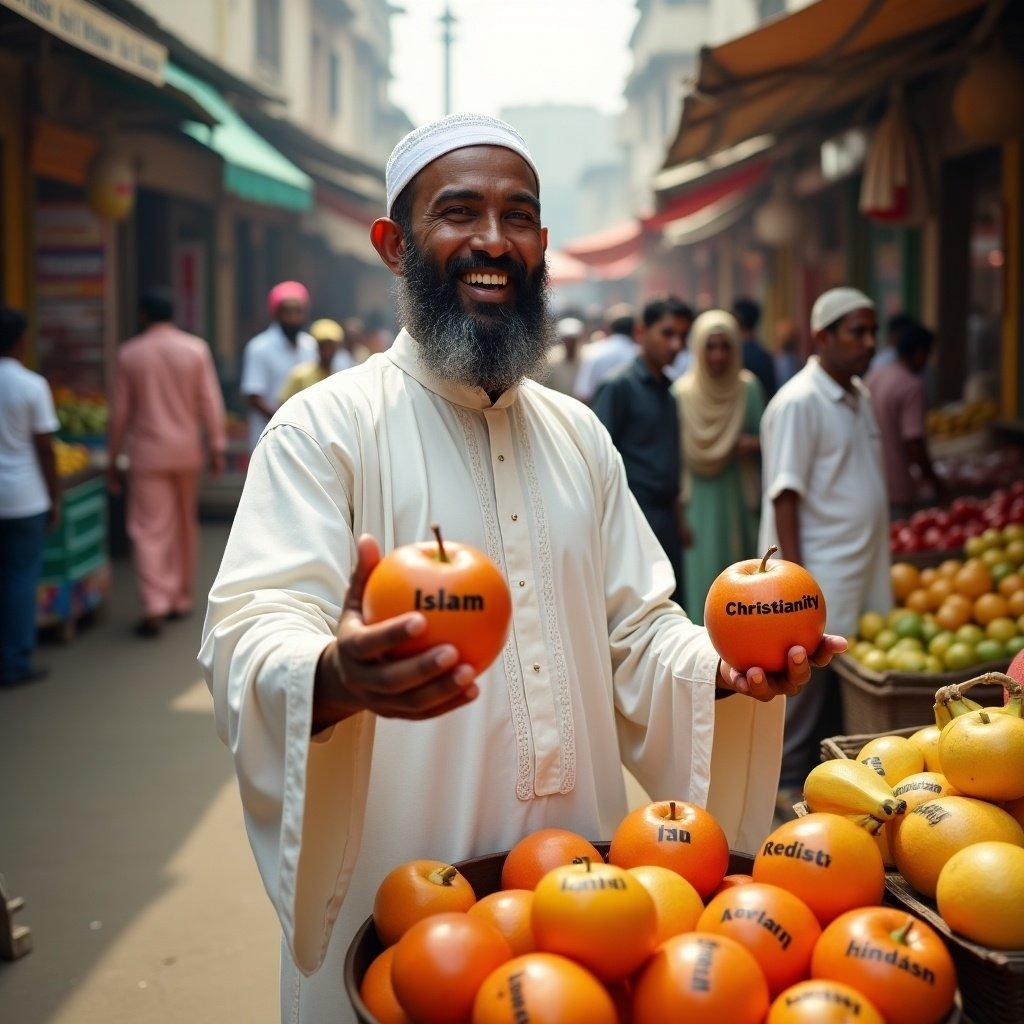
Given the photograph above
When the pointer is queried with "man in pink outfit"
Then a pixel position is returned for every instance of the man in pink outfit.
(166, 396)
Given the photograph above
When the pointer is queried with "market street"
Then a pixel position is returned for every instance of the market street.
(120, 826)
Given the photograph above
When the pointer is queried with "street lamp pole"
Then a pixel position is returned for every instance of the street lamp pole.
(448, 21)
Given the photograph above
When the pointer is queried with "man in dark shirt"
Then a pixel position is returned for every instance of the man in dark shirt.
(639, 411)
(756, 357)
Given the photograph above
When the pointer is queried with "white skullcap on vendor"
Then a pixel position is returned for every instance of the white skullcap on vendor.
(456, 131)
(833, 305)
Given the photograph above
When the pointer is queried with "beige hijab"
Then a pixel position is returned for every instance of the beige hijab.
(711, 409)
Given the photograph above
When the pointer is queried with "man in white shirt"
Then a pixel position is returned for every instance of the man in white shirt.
(350, 761)
(825, 502)
(29, 498)
(564, 358)
(602, 358)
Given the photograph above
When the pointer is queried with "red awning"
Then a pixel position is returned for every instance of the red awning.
(609, 245)
(734, 184)
(565, 269)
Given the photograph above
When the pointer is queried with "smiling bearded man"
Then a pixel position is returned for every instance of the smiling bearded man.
(351, 762)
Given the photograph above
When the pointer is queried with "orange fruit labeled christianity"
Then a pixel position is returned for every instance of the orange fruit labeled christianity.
(677, 903)
(898, 962)
(823, 1002)
(596, 914)
(758, 609)
(980, 894)
(676, 835)
(700, 977)
(414, 891)
(829, 862)
(542, 988)
(440, 964)
(770, 923)
(509, 911)
(540, 852)
(378, 994)
(457, 589)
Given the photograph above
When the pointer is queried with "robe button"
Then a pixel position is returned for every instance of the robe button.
(522, 583)
(515, 518)
(501, 458)
(536, 666)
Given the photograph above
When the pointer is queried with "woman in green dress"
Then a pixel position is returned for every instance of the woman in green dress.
(720, 407)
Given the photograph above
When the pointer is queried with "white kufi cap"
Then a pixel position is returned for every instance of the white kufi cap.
(834, 304)
(456, 131)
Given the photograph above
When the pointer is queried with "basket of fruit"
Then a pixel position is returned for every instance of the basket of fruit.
(969, 524)
(662, 923)
(946, 804)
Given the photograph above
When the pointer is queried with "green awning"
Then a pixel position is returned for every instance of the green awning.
(253, 169)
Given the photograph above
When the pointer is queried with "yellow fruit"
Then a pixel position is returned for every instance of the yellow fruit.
(915, 790)
(905, 578)
(847, 787)
(892, 757)
(980, 894)
(990, 607)
(927, 741)
(934, 831)
(982, 755)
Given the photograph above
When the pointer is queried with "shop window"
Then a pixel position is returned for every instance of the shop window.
(268, 35)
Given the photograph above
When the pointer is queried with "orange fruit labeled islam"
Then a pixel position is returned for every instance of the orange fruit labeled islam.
(829, 862)
(982, 754)
(540, 852)
(906, 579)
(823, 1002)
(954, 612)
(973, 579)
(757, 610)
(700, 977)
(898, 962)
(414, 891)
(509, 911)
(676, 902)
(770, 923)
(677, 835)
(892, 757)
(598, 915)
(458, 590)
(440, 964)
(377, 993)
(542, 988)
(990, 607)
(980, 894)
(934, 831)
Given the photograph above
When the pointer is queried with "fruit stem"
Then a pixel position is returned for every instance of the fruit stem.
(903, 933)
(768, 554)
(671, 810)
(440, 543)
(983, 716)
(991, 679)
(583, 860)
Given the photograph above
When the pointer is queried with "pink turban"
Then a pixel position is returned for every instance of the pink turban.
(286, 291)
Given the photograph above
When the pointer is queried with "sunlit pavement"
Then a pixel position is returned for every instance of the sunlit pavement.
(120, 826)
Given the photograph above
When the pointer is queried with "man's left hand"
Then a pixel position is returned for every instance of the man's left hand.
(765, 686)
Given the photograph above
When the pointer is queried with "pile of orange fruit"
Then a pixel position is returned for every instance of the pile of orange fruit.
(659, 933)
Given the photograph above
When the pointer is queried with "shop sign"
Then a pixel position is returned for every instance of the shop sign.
(98, 33)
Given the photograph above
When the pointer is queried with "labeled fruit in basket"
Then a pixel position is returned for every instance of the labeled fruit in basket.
(540, 852)
(823, 1002)
(458, 590)
(730, 881)
(378, 994)
(842, 786)
(829, 862)
(919, 789)
(509, 911)
(898, 962)
(416, 890)
(757, 610)
(700, 977)
(542, 988)
(440, 964)
(892, 757)
(982, 754)
(597, 914)
(980, 894)
(677, 835)
(927, 741)
(770, 923)
(676, 902)
(930, 834)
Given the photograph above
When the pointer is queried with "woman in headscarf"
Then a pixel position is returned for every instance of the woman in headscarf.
(720, 407)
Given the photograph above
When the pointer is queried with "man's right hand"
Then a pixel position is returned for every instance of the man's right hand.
(359, 671)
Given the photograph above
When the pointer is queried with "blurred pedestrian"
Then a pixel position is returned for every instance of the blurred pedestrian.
(332, 357)
(166, 397)
(602, 358)
(274, 353)
(355, 331)
(756, 358)
(564, 358)
(720, 407)
(29, 498)
(825, 502)
(898, 392)
(787, 351)
(685, 315)
(638, 411)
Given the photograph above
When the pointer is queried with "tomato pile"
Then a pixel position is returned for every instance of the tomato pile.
(947, 529)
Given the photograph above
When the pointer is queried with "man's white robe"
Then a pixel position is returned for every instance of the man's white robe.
(599, 668)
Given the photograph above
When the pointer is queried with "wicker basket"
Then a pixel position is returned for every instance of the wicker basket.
(875, 702)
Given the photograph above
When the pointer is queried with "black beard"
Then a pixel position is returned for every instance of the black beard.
(495, 346)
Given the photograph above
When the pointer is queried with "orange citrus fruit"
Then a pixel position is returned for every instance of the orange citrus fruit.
(954, 612)
(509, 911)
(416, 890)
(378, 994)
(533, 857)
(733, 880)
(973, 579)
(892, 757)
(1016, 603)
(920, 601)
(915, 790)
(676, 901)
(927, 741)
(950, 567)
(1010, 585)
(823, 1002)
(990, 607)
(982, 754)
(928, 577)
(905, 579)
(980, 894)
(941, 589)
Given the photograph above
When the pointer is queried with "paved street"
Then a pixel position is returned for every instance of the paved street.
(121, 828)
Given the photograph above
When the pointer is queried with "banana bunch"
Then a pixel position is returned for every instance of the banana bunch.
(851, 789)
